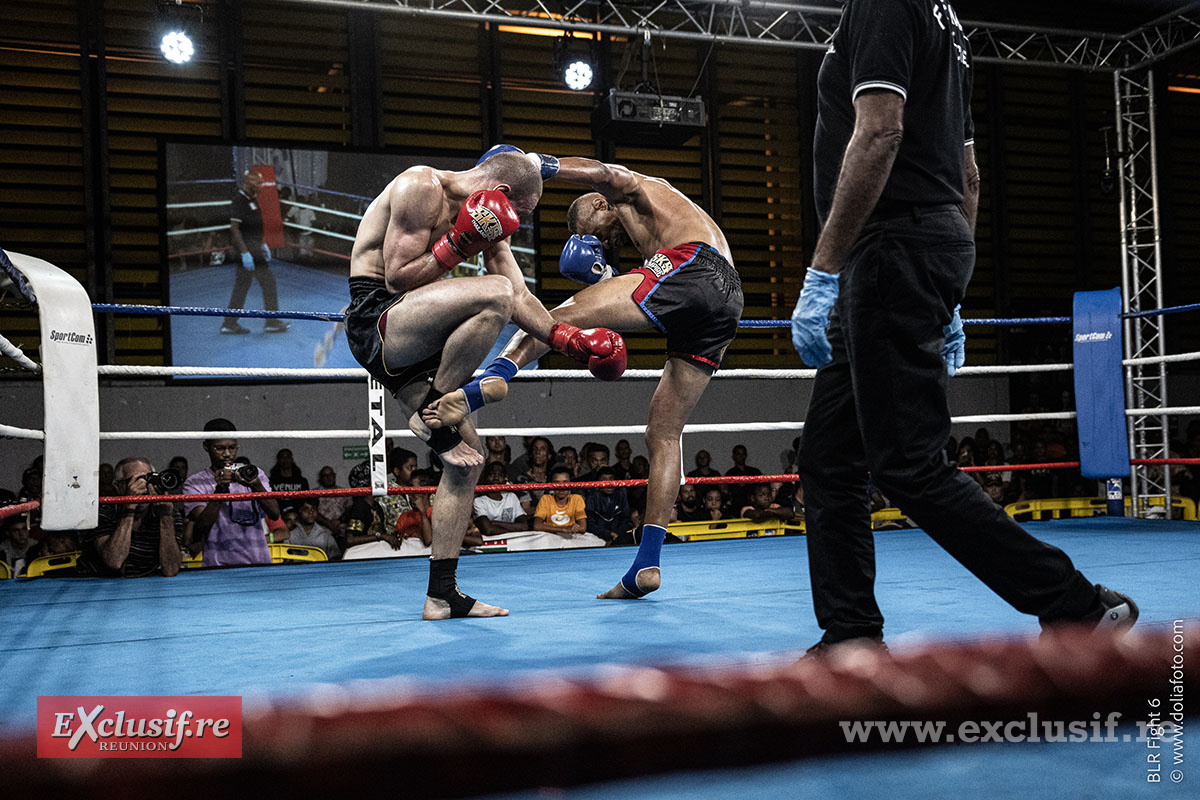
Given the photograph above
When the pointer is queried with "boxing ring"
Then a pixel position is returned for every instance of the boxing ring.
(690, 692)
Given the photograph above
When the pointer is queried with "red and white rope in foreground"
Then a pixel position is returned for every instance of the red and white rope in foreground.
(630, 721)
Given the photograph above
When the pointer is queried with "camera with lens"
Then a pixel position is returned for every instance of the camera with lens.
(248, 473)
(166, 481)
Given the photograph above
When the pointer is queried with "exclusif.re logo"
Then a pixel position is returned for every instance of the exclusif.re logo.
(487, 223)
(139, 727)
(70, 337)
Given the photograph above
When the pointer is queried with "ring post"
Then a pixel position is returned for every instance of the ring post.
(1099, 399)
(376, 400)
(71, 400)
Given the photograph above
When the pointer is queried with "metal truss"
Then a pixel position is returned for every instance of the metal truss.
(1141, 281)
(777, 23)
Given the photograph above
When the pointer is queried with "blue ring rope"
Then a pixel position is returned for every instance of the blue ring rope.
(200, 311)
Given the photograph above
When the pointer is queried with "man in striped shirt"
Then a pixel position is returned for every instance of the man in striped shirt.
(136, 539)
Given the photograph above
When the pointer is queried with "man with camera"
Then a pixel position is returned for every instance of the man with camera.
(232, 530)
(134, 540)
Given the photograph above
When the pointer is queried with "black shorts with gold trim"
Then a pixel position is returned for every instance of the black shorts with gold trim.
(366, 321)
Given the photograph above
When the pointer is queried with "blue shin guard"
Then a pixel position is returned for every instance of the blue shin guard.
(647, 556)
(499, 368)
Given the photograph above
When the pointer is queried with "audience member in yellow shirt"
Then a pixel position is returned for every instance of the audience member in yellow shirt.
(560, 511)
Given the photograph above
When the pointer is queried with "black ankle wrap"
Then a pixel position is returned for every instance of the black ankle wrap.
(443, 585)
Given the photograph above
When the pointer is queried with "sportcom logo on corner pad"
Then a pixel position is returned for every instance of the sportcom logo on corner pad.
(139, 727)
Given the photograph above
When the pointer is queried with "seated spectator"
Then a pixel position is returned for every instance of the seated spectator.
(308, 532)
(330, 509)
(231, 530)
(560, 512)
(595, 460)
(496, 449)
(762, 506)
(130, 540)
(624, 464)
(14, 542)
(703, 466)
(687, 505)
(286, 475)
(538, 467)
(498, 512)
(639, 469)
(53, 543)
(363, 520)
(569, 458)
(608, 511)
(739, 493)
(401, 466)
(106, 477)
(289, 517)
(179, 465)
(714, 505)
(993, 484)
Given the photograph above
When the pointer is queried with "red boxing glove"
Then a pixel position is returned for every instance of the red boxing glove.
(486, 218)
(601, 349)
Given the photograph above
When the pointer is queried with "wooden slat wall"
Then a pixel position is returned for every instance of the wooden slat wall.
(297, 90)
(41, 171)
(430, 103)
(148, 98)
(760, 193)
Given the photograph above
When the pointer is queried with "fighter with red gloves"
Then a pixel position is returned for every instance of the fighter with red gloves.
(687, 288)
(422, 337)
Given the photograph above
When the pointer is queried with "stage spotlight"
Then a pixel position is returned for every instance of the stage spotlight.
(578, 75)
(177, 47)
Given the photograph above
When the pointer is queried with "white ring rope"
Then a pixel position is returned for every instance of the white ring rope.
(9, 432)
(16, 354)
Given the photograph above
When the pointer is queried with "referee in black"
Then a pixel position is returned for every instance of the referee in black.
(897, 190)
(253, 256)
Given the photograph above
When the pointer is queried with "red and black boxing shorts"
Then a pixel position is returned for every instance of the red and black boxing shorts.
(366, 321)
(694, 296)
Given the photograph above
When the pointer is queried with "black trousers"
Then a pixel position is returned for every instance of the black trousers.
(241, 285)
(881, 407)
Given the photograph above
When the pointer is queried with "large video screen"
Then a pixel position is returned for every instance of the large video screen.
(310, 202)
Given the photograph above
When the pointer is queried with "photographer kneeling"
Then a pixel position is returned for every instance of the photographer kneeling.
(232, 530)
(135, 540)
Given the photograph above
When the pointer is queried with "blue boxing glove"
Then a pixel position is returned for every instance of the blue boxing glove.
(955, 349)
(498, 148)
(247, 261)
(582, 260)
(547, 165)
(811, 318)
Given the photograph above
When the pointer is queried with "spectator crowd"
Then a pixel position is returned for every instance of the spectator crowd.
(154, 538)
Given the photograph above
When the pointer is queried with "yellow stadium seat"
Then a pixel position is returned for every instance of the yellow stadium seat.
(5, 572)
(192, 562)
(296, 554)
(731, 529)
(47, 564)
(1069, 507)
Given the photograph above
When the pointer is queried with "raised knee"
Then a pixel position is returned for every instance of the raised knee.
(500, 297)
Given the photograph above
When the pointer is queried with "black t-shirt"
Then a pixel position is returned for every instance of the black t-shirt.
(917, 49)
(246, 212)
(364, 517)
(143, 543)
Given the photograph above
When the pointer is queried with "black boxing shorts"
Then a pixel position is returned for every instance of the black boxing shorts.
(366, 321)
(694, 296)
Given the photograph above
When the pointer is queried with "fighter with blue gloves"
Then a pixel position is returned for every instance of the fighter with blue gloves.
(686, 287)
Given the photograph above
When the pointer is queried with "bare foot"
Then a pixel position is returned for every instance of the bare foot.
(461, 455)
(648, 580)
(440, 609)
(451, 409)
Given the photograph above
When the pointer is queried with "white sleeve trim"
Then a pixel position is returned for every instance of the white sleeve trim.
(968, 142)
(891, 87)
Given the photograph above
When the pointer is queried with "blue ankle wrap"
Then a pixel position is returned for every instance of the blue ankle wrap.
(647, 556)
(501, 368)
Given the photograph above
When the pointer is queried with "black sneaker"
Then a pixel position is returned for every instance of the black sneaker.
(234, 328)
(1120, 612)
(275, 326)
(823, 649)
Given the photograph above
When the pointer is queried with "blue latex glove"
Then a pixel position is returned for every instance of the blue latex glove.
(247, 261)
(266, 251)
(811, 318)
(582, 260)
(955, 349)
